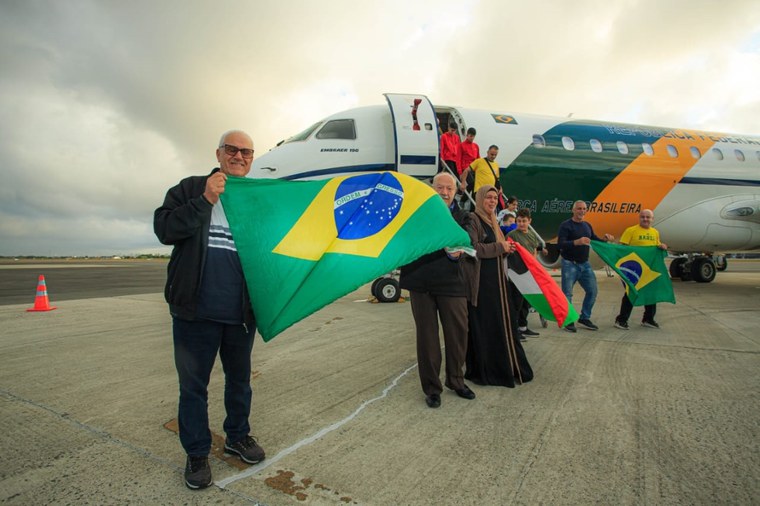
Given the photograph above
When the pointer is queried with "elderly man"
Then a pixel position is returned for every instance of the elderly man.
(436, 286)
(574, 239)
(210, 308)
(643, 234)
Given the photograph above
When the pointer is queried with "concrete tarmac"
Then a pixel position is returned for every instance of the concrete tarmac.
(88, 398)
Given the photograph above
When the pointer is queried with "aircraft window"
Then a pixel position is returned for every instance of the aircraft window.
(758, 154)
(717, 153)
(338, 129)
(622, 147)
(672, 151)
(305, 134)
(739, 155)
(568, 143)
(695, 152)
(647, 148)
(539, 141)
(596, 146)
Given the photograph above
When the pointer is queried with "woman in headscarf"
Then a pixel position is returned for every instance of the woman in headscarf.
(494, 353)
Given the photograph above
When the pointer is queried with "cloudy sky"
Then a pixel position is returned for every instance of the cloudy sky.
(106, 104)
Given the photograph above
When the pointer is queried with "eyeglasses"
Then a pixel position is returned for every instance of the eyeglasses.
(233, 150)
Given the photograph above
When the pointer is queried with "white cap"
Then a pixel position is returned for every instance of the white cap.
(503, 213)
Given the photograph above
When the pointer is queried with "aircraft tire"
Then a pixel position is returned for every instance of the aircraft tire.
(373, 289)
(387, 290)
(721, 262)
(676, 268)
(703, 270)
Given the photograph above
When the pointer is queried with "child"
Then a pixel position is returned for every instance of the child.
(524, 235)
(506, 221)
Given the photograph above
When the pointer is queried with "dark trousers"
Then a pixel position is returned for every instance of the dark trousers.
(196, 344)
(626, 307)
(522, 307)
(426, 309)
(451, 164)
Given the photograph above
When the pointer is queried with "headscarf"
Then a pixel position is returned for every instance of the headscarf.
(480, 210)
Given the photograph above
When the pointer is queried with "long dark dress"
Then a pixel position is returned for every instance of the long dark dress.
(494, 356)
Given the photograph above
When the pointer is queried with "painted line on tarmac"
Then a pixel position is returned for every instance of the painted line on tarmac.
(326, 430)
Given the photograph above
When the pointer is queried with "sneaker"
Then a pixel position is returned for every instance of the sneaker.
(585, 322)
(530, 333)
(621, 325)
(247, 449)
(570, 328)
(522, 337)
(650, 323)
(197, 472)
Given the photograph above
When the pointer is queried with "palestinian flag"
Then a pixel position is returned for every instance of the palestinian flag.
(538, 287)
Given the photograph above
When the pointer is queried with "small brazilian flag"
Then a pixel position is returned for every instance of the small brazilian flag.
(642, 269)
(303, 244)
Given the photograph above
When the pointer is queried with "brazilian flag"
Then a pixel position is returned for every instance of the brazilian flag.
(303, 244)
(642, 269)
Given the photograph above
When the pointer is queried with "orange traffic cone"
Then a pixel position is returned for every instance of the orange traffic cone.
(41, 302)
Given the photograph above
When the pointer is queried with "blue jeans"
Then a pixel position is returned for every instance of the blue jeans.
(581, 273)
(196, 344)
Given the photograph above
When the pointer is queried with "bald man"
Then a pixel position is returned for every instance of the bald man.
(643, 234)
(210, 308)
(573, 239)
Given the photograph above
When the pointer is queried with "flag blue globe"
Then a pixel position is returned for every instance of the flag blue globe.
(366, 204)
(632, 270)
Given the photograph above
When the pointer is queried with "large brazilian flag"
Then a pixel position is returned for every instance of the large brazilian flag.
(642, 269)
(303, 244)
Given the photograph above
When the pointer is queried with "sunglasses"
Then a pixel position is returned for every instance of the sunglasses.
(233, 150)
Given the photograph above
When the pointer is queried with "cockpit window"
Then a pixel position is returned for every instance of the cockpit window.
(305, 134)
(338, 129)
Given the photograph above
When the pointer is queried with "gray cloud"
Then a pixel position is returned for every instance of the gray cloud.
(107, 104)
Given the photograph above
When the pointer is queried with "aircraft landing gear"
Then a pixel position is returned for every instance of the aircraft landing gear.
(387, 289)
(720, 262)
(678, 270)
(701, 269)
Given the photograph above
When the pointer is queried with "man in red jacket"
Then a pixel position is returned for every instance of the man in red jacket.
(468, 150)
(450, 143)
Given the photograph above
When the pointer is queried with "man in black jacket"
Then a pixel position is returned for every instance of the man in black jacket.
(210, 308)
(437, 287)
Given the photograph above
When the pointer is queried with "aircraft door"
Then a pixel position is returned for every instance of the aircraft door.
(415, 134)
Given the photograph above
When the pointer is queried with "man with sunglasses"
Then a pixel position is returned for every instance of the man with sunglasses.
(210, 308)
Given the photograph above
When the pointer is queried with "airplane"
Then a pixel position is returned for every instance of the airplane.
(704, 187)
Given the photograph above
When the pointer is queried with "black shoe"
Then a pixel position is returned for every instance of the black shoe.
(650, 323)
(247, 449)
(521, 336)
(529, 333)
(585, 322)
(621, 325)
(433, 400)
(465, 393)
(197, 473)
(571, 328)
